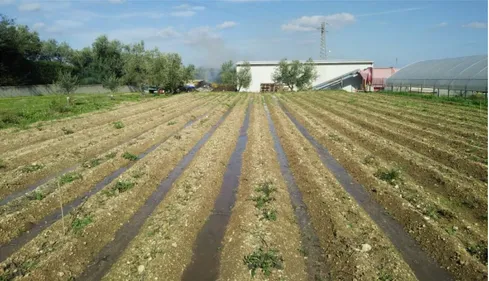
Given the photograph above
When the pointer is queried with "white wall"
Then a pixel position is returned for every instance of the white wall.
(263, 74)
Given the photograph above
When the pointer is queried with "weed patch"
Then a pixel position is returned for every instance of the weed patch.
(264, 260)
(391, 176)
(79, 223)
(32, 168)
(92, 163)
(36, 195)
(385, 276)
(129, 156)
(118, 125)
(69, 177)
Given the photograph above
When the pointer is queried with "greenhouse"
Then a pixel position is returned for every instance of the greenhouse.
(453, 76)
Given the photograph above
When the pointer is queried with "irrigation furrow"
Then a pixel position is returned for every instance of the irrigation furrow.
(82, 123)
(206, 250)
(21, 179)
(421, 264)
(421, 134)
(355, 247)
(468, 167)
(262, 219)
(439, 178)
(433, 227)
(163, 246)
(24, 213)
(59, 253)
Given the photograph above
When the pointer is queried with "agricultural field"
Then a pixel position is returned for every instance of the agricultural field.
(235, 186)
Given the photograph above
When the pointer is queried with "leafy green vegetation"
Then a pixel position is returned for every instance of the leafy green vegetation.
(36, 195)
(22, 111)
(120, 187)
(129, 156)
(472, 101)
(263, 199)
(118, 125)
(111, 155)
(391, 176)
(266, 260)
(92, 163)
(479, 251)
(69, 177)
(171, 123)
(79, 223)
(32, 168)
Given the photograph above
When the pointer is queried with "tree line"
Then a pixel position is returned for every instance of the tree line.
(27, 60)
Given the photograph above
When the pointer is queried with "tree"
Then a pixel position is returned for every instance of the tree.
(112, 83)
(67, 83)
(295, 74)
(175, 73)
(243, 76)
(189, 73)
(228, 73)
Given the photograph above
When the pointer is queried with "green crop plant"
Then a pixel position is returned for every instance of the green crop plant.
(129, 156)
(36, 195)
(92, 163)
(266, 260)
(391, 176)
(79, 223)
(69, 177)
(118, 125)
(32, 168)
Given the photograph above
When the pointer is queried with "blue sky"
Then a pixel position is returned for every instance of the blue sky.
(209, 32)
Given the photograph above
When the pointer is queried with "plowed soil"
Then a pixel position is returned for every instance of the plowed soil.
(87, 199)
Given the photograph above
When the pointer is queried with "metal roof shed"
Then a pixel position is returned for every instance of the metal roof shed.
(463, 74)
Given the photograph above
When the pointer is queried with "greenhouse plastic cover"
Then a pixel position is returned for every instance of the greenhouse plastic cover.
(465, 73)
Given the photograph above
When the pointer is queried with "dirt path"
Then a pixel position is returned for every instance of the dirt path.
(354, 245)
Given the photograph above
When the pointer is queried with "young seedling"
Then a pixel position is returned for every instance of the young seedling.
(171, 123)
(391, 176)
(118, 125)
(3, 165)
(36, 195)
(120, 187)
(79, 223)
(32, 168)
(69, 177)
(92, 163)
(129, 156)
(111, 155)
(264, 260)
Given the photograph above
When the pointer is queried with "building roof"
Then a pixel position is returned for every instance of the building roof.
(318, 62)
(463, 73)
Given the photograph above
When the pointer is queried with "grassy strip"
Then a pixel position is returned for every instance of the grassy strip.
(472, 100)
(22, 111)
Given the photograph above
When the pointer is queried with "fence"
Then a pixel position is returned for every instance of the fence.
(41, 90)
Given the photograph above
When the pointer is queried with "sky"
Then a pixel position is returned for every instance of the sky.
(208, 32)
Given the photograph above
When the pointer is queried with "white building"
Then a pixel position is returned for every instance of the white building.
(332, 74)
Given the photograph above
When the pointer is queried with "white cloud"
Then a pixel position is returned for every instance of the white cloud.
(311, 23)
(226, 24)
(441, 24)
(189, 7)
(168, 32)
(116, 1)
(476, 24)
(29, 7)
(182, 14)
(38, 25)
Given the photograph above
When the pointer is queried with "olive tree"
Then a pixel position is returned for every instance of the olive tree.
(66, 82)
(295, 74)
(112, 83)
(243, 76)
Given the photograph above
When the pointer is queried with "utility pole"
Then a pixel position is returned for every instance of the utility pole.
(323, 53)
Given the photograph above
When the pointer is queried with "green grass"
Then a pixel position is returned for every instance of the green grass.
(471, 101)
(22, 111)
(129, 156)
(69, 177)
(32, 168)
(79, 223)
(118, 125)
(266, 261)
